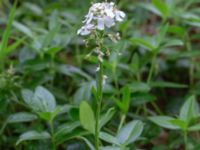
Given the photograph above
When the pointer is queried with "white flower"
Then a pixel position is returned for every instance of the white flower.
(119, 15)
(85, 30)
(100, 16)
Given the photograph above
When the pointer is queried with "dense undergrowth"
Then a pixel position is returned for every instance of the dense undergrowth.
(48, 77)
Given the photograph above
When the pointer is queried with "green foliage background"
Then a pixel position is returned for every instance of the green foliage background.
(158, 63)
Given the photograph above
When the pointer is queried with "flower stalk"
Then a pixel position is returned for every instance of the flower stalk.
(98, 103)
(100, 16)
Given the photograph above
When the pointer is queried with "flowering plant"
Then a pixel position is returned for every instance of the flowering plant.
(100, 16)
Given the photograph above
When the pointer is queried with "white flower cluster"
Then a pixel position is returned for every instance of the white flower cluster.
(101, 15)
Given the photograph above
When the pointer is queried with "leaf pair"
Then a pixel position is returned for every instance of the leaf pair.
(126, 135)
(188, 113)
(87, 117)
(40, 101)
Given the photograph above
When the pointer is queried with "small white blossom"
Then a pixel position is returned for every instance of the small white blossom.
(104, 79)
(100, 16)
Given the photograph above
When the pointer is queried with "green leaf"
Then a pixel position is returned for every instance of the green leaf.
(126, 99)
(139, 87)
(189, 110)
(163, 84)
(44, 100)
(13, 46)
(164, 121)
(65, 129)
(21, 117)
(194, 127)
(109, 138)
(53, 50)
(162, 35)
(27, 96)
(161, 7)
(130, 132)
(142, 98)
(23, 28)
(173, 42)
(87, 117)
(50, 36)
(87, 142)
(6, 34)
(106, 117)
(182, 124)
(142, 43)
(111, 148)
(33, 135)
(151, 8)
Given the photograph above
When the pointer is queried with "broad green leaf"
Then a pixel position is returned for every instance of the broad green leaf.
(27, 96)
(36, 10)
(21, 117)
(109, 138)
(189, 110)
(141, 42)
(45, 115)
(23, 28)
(33, 135)
(164, 121)
(130, 132)
(182, 124)
(87, 117)
(178, 30)
(66, 128)
(161, 7)
(107, 117)
(71, 71)
(44, 100)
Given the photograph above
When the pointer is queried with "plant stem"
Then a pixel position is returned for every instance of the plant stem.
(191, 68)
(153, 61)
(185, 140)
(52, 135)
(98, 103)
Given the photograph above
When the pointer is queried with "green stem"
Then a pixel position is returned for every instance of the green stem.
(153, 62)
(185, 140)
(191, 68)
(52, 135)
(98, 103)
